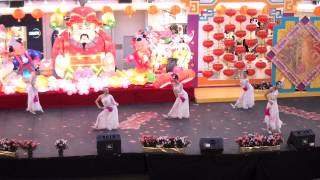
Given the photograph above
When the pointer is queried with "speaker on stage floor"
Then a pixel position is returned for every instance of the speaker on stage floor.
(16, 4)
(301, 140)
(108, 144)
(211, 145)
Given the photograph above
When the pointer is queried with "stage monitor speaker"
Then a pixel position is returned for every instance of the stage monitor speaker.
(108, 144)
(211, 145)
(301, 140)
(16, 4)
(125, 1)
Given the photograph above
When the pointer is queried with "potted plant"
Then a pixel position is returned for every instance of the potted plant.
(29, 146)
(61, 145)
(258, 142)
(8, 147)
(164, 144)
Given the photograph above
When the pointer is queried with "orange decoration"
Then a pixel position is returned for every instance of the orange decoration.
(220, 10)
(18, 14)
(175, 10)
(243, 10)
(316, 11)
(265, 10)
(153, 9)
(106, 9)
(37, 14)
(129, 10)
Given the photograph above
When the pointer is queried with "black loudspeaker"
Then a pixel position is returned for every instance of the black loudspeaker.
(108, 144)
(125, 1)
(16, 4)
(172, 62)
(211, 145)
(301, 140)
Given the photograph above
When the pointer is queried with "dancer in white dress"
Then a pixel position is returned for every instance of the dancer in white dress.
(180, 108)
(246, 100)
(271, 113)
(108, 118)
(33, 97)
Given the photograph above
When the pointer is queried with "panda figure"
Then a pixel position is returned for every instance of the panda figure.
(256, 22)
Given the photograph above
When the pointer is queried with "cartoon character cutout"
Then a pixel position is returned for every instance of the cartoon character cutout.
(83, 45)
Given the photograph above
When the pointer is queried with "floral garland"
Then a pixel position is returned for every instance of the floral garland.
(165, 141)
(252, 140)
(28, 145)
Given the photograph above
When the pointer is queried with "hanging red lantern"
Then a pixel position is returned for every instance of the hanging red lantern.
(269, 42)
(239, 65)
(208, 59)
(207, 43)
(262, 34)
(271, 25)
(229, 42)
(250, 57)
(263, 18)
(261, 49)
(228, 72)
(217, 66)
(230, 12)
(228, 57)
(251, 27)
(261, 65)
(18, 14)
(251, 42)
(241, 18)
(207, 74)
(240, 49)
(207, 28)
(268, 72)
(251, 72)
(243, 9)
(218, 36)
(252, 12)
(218, 52)
(218, 19)
(37, 14)
(241, 33)
(229, 27)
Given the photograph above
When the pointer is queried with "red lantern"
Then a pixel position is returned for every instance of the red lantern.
(250, 57)
(268, 72)
(207, 74)
(261, 65)
(241, 18)
(239, 64)
(271, 25)
(252, 12)
(240, 49)
(240, 33)
(261, 49)
(251, 27)
(262, 34)
(228, 72)
(230, 27)
(263, 18)
(208, 59)
(207, 27)
(218, 19)
(217, 66)
(269, 42)
(229, 42)
(218, 36)
(228, 57)
(251, 42)
(218, 52)
(18, 14)
(207, 43)
(37, 14)
(230, 12)
(251, 72)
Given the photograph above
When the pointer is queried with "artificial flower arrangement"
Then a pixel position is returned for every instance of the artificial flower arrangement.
(61, 144)
(28, 145)
(258, 142)
(165, 142)
(9, 145)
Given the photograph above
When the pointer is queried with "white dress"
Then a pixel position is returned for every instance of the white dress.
(108, 118)
(271, 117)
(246, 100)
(33, 98)
(180, 108)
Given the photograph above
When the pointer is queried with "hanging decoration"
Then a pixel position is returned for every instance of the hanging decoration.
(251, 72)
(220, 9)
(217, 67)
(268, 72)
(208, 59)
(153, 9)
(18, 14)
(37, 14)
(129, 10)
(239, 65)
(243, 10)
(228, 57)
(261, 65)
(218, 36)
(106, 9)
(252, 12)
(218, 19)
(174, 10)
(228, 72)
(207, 28)
(207, 74)
(218, 52)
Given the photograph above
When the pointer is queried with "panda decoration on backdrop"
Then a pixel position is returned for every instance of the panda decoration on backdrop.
(258, 24)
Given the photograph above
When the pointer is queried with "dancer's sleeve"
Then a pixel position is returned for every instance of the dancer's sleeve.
(113, 101)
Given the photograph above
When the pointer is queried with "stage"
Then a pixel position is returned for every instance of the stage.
(207, 120)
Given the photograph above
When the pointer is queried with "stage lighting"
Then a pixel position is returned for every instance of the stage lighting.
(108, 144)
(211, 145)
(301, 140)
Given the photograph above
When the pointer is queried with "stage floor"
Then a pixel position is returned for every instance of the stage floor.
(207, 120)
